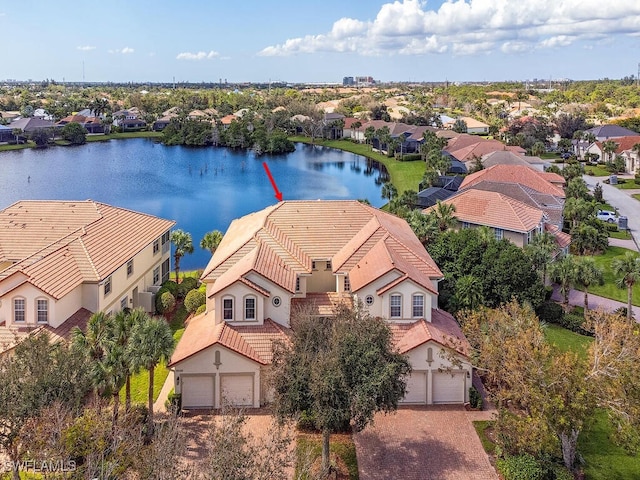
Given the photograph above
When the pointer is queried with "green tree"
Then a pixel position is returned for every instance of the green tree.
(444, 214)
(627, 271)
(424, 226)
(151, 343)
(588, 273)
(93, 344)
(609, 147)
(123, 323)
(577, 188)
(468, 292)
(389, 191)
(459, 126)
(183, 244)
(541, 251)
(74, 133)
(369, 135)
(40, 137)
(563, 272)
(16, 133)
(211, 240)
(340, 370)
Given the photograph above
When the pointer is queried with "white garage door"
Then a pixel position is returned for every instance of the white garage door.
(416, 388)
(197, 391)
(236, 390)
(448, 387)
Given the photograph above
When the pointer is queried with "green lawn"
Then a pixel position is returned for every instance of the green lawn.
(636, 196)
(341, 445)
(22, 146)
(628, 185)
(597, 170)
(481, 427)
(621, 235)
(404, 175)
(567, 340)
(609, 289)
(140, 381)
(118, 136)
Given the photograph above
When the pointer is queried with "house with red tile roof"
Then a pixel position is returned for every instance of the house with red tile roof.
(543, 182)
(58, 258)
(315, 255)
(624, 148)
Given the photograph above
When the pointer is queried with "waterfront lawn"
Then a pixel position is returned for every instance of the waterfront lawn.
(609, 289)
(404, 175)
(117, 136)
(21, 146)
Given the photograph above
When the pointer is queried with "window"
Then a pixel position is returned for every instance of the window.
(165, 242)
(368, 300)
(250, 308)
(165, 237)
(417, 305)
(347, 284)
(130, 268)
(276, 301)
(107, 286)
(313, 265)
(18, 310)
(328, 265)
(42, 310)
(156, 246)
(530, 236)
(124, 303)
(156, 276)
(165, 270)
(465, 224)
(498, 233)
(297, 284)
(396, 306)
(227, 308)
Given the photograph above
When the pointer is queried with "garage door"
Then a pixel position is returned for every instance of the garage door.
(197, 391)
(448, 387)
(416, 388)
(236, 390)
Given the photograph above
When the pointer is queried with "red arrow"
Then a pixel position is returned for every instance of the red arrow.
(273, 182)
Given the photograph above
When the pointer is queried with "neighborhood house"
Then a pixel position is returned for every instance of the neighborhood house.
(315, 254)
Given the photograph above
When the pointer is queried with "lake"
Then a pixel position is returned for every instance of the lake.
(202, 189)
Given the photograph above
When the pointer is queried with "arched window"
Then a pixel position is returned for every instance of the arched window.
(42, 310)
(250, 308)
(19, 310)
(395, 305)
(227, 309)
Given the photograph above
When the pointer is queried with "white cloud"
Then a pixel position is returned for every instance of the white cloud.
(198, 56)
(86, 48)
(123, 51)
(410, 27)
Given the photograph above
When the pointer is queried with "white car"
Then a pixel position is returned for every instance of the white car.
(606, 216)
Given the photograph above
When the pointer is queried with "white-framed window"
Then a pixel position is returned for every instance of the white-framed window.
(276, 301)
(42, 310)
(124, 303)
(297, 284)
(465, 225)
(498, 233)
(530, 236)
(417, 305)
(328, 265)
(156, 246)
(107, 286)
(166, 245)
(19, 310)
(347, 284)
(395, 305)
(250, 308)
(313, 265)
(227, 308)
(368, 300)
(130, 268)
(156, 276)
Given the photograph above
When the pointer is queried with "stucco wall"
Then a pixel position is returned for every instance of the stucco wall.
(321, 279)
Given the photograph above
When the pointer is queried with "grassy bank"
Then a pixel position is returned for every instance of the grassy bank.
(404, 175)
(124, 135)
(609, 289)
(21, 146)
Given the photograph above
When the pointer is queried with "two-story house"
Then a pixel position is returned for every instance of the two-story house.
(58, 258)
(315, 254)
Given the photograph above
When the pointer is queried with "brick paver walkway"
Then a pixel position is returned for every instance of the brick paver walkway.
(422, 443)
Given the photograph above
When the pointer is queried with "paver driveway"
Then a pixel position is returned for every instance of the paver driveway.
(422, 443)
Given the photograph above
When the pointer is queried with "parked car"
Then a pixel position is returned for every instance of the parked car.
(606, 216)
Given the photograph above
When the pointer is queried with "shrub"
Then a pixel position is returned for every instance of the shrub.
(306, 422)
(186, 285)
(520, 467)
(167, 302)
(550, 312)
(201, 309)
(173, 402)
(194, 300)
(410, 157)
(171, 286)
(611, 227)
(573, 322)
(162, 291)
(475, 399)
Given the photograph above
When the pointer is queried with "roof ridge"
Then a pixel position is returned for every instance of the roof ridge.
(284, 247)
(84, 249)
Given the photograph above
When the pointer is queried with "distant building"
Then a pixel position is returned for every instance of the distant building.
(348, 81)
(365, 81)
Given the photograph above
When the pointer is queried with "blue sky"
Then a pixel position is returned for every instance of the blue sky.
(319, 41)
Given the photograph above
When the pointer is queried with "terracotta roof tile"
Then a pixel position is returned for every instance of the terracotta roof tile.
(323, 303)
(514, 174)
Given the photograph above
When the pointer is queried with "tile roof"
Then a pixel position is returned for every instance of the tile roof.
(322, 303)
(495, 210)
(443, 329)
(624, 143)
(281, 241)
(515, 174)
(562, 239)
(254, 342)
(611, 131)
(61, 244)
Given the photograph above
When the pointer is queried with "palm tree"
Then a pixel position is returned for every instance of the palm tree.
(184, 244)
(469, 292)
(635, 161)
(123, 323)
(627, 269)
(541, 251)
(609, 147)
(16, 132)
(564, 273)
(444, 215)
(356, 125)
(369, 134)
(211, 241)
(384, 137)
(588, 273)
(151, 343)
(389, 191)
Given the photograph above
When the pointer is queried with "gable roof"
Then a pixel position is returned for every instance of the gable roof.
(495, 210)
(611, 131)
(280, 242)
(61, 244)
(466, 147)
(624, 143)
(521, 174)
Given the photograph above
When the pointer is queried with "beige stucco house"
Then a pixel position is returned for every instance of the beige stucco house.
(318, 254)
(62, 258)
